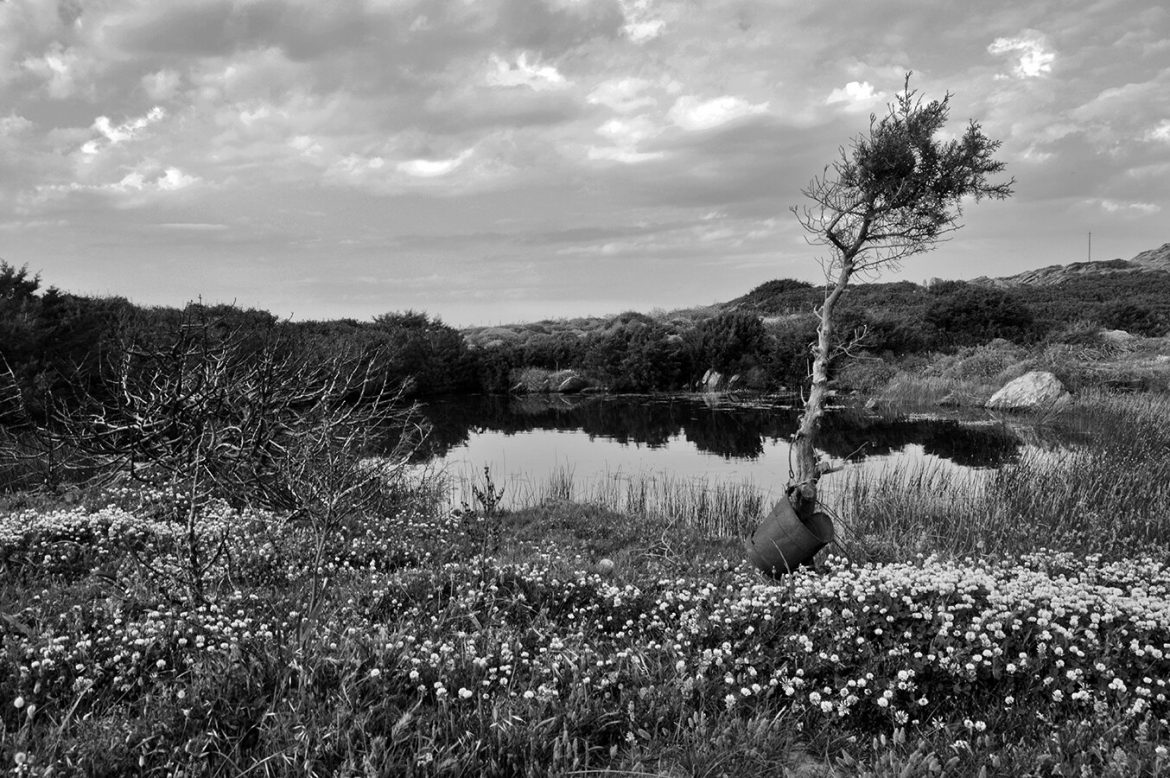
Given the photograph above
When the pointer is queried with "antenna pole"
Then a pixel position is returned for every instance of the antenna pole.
(1090, 246)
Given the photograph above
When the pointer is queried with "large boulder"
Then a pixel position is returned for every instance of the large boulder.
(1038, 389)
(713, 381)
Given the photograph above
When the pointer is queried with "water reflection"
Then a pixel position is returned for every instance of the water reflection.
(732, 430)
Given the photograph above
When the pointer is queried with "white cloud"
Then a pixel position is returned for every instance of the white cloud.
(115, 134)
(691, 114)
(161, 85)
(1034, 59)
(57, 68)
(627, 156)
(624, 136)
(306, 145)
(144, 178)
(1131, 209)
(13, 125)
(641, 23)
(640, 32)
(856, 95)
(432, 168)
(532, 75)
(173, 178)
(628, 132)
(624, 95)
(1161, 132)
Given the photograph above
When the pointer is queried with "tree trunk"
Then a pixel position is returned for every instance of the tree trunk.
(803, 490)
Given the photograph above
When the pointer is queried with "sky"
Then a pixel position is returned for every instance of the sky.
(497, 161)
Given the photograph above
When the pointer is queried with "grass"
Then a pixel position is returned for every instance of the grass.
(1111, 494)
(971, 375)
(714, 508)
(1020, 626)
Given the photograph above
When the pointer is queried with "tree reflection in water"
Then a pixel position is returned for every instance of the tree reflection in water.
(721, 426)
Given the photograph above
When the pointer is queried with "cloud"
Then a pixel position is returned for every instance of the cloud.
(57, 67)
(623, 95)
(432, 168)
(856, 96)
(115, 134)
(625, 155)
(532, 75)
(1161, 132)
(641, 25)
(690, 113)
(625, 135)
(1034, 58)
(161, 85)
(173, 179)
(1128, 208)
(147, 177)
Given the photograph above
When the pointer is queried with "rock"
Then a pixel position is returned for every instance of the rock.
(872, 404)
(1038, 389)
(572, 384)
(734, 382)
(1116, 336)
(713, 381)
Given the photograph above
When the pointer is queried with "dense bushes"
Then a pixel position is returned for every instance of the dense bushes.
(965, 314)
(53, 344)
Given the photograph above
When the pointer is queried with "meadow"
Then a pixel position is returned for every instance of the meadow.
(1022, 628)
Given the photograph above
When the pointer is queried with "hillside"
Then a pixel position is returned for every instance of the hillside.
(1155, 260)
(1116, 293)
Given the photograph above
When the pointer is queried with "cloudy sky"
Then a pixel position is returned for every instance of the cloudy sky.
(503, 160)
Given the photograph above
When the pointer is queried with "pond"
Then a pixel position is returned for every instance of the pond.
(529, 442)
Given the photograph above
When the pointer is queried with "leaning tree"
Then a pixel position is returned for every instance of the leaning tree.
(896, 191)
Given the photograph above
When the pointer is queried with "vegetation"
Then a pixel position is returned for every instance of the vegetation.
(204, 572)
(953, 642)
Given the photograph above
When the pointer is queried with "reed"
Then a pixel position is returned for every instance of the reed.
(1109, 494)
(711, 508)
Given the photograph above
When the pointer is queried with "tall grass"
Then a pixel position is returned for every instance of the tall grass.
(712, 508)
(1110, 494)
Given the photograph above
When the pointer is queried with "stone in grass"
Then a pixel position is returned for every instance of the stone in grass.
(1038, 389)
(604, 566)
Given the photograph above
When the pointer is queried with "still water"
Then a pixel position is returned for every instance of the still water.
(526, 441)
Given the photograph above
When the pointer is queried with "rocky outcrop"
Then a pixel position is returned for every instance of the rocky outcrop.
(1038, 389)
(713, 381)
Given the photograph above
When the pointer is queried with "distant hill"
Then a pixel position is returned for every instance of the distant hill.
(1055, 295)
(1157, 260)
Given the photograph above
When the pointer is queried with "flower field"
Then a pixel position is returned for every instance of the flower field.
(430, 656)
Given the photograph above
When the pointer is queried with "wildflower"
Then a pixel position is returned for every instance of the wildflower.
(465, 693)
(18, 703)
